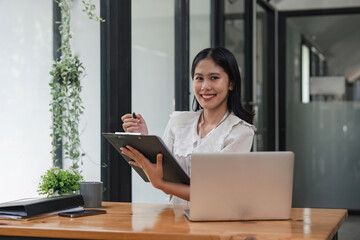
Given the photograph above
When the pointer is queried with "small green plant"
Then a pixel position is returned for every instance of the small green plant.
(57, 181)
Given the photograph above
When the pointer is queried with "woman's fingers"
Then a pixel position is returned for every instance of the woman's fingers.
(154, 172)
(130, 129)
(135, 160)
(126, 117)
(159, 161)
(134, 164)
(138, 116)
(128, 153)
(130, 124)
(133, 120)
(134, 124)
(137, 154)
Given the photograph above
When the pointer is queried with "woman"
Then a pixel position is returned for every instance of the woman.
(218, 124)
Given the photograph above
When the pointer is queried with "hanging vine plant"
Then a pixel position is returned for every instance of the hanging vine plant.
(66, 104)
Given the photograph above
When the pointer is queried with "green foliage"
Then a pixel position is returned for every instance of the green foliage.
(66, 104)
(89, 8)
(57, 181)
(66, 107)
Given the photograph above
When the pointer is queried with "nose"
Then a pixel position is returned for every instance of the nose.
(206, 85)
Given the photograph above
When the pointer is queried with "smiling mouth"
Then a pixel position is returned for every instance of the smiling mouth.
(208, 97)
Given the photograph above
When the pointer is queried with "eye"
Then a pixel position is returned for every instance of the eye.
(198, 78)
(214, 78)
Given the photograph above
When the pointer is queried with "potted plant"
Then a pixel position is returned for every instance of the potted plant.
(66, 107)
(57, 181)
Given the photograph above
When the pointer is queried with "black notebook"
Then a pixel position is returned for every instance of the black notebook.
(150, 146)
(31, 207)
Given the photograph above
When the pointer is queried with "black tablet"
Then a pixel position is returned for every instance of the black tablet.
(150, 146)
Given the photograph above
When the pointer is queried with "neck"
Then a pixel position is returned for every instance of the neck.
(213, 117)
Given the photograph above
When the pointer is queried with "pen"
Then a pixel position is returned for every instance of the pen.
(134, 115)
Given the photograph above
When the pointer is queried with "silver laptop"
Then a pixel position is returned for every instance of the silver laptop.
(241, 186)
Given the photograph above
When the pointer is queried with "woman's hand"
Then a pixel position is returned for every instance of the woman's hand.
(154, 172)
(134, 125)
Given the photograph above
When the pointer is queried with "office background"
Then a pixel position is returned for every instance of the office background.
(26, 60)
(299, 62)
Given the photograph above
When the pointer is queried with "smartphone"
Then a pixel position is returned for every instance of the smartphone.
(82, 213)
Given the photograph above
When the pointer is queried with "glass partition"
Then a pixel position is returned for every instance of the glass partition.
(262, 83)
(152, 87)
(323, 109)
(199, 33)
(235, 33)
(153, 69)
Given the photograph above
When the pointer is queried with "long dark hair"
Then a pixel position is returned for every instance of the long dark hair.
(225, 59)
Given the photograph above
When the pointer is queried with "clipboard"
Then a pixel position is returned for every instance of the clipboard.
(149, 146)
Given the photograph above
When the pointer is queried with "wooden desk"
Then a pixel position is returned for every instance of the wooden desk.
(150, 221)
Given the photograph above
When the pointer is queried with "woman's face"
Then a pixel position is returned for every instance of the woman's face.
(211, 85)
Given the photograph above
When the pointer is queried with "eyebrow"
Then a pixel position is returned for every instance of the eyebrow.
(210, 74)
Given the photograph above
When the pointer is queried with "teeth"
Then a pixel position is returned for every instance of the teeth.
(207, 96)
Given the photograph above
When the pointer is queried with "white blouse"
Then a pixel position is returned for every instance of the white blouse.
(182, 139)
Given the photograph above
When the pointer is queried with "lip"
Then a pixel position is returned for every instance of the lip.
(207, 97)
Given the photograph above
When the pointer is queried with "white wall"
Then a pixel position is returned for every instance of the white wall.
(25, 62)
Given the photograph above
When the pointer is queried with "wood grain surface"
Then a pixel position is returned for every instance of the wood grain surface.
(161, 221)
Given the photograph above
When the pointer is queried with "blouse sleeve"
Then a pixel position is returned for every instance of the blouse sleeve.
(240, 139)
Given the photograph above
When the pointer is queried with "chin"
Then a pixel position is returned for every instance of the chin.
(207, 106)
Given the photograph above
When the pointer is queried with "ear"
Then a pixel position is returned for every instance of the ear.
(231, 86)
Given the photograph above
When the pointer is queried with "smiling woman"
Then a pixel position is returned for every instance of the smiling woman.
(211, 85)
(226, 66)
(218, 124)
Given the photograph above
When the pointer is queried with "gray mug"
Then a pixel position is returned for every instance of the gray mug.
(92, 193)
